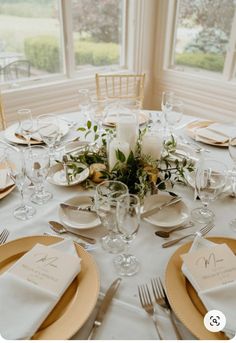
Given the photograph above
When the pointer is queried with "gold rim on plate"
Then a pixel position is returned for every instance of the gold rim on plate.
(183, 297)
(76, 304)
(200, 124)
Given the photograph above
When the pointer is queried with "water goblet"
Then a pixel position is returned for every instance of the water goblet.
(26, 123)
(105, 200)
(210, 180)
(128, 222)
(16, 170)
(166, 105)
(49, 131)
(37, 167)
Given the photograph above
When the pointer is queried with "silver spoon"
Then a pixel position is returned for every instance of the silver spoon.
(59, 228)
(166, 234)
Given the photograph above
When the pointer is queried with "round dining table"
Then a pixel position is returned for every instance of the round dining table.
(125, 318)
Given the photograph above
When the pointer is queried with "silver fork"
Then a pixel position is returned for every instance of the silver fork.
(201, 232)
(162, 300)
(147, 304)
(3, 236)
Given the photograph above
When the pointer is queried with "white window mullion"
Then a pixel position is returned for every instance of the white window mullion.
(230, 60)
(69, 58)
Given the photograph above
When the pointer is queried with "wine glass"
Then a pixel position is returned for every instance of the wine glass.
(16, 170)
(128, 222)
(106, 197)
(49, 131)
(37, 167)
(26, 123)
(232, 153)
(210, 179)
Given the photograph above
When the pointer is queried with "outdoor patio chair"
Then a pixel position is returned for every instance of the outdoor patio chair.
(16, 70)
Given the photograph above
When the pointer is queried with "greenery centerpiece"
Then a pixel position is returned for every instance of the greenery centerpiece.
(140, 172)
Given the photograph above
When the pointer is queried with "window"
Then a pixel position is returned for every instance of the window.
(205, 37)
(58, 38)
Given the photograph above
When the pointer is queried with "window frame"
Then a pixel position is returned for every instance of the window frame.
(203, 94)
(68, 59)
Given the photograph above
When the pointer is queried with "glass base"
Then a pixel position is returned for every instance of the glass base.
(41, 198)
(113, 244)
(24, 212)
(202, 215)
(232, 224)
(126, 264)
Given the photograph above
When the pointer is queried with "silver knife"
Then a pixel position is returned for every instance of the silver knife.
(88, 208)
(160, 207)
(104, 306)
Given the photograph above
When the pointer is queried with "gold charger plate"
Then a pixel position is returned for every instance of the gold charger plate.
(183, 297)
(143, 118)
(4, 192)
(76, 304)
(200, 124)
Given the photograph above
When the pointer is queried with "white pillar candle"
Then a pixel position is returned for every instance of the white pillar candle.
(126, 130)
(152, 145)
(115, 145)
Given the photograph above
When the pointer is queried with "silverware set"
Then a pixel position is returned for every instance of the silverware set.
(3, 236)
(161, 300)
(202, 232)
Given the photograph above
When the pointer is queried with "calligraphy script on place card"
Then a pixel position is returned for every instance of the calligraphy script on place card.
(47, 268)
(211, 267)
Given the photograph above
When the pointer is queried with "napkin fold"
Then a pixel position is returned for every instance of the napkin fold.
(5, 181)
(217, 133)
(24, 305)
(220, 298)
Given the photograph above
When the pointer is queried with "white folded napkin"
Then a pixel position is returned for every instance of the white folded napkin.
(5, 181)
(218, 133)
(25, 303)
(221, 298)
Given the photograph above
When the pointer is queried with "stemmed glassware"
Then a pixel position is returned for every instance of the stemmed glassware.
(26, 123)
(105, 200)
(84, 102)
(37, 167)
(16, 170)
(210, 180)
(98, 108)
(232, 152)
(49, 131)
(174, 115)
(128, 222)
(166, 105)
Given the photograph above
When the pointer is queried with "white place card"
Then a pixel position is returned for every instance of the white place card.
(211, 267)
(46, 267)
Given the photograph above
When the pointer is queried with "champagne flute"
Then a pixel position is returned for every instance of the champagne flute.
(166, 105)
(37, 167)
(16, 170)
(174, 115)
(210, 180)
(49, 131)
(232, 153)
(106, 197)
(26, 123)
(84, 102)
(128, 222)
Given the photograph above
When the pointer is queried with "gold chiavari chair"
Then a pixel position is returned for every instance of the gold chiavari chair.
(123, 86)
(2, 117)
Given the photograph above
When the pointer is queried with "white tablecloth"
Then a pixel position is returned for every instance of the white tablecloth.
(125, 318)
